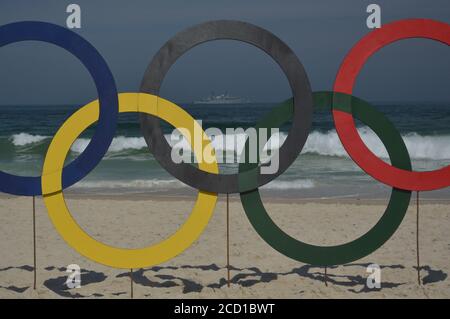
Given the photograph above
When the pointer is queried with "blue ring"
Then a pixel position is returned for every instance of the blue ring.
(107, 94)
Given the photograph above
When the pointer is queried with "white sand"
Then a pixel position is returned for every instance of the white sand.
(259, 271)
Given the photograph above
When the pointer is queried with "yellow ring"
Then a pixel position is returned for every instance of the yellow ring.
(66, 225)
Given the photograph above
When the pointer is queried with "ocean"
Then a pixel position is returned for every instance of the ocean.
(322, 170)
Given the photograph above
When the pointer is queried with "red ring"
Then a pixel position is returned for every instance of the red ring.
(345, 125)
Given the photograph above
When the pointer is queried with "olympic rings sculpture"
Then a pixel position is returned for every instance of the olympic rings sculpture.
(206, 178)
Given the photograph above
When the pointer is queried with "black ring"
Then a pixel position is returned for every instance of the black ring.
(262, 39)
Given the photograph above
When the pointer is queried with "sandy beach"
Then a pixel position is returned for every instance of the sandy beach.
(258, 271)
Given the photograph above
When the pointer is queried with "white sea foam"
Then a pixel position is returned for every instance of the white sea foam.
(23, 139)
(328, 144)
(320, 143)
(131, 184)
(160, 184)
(419, 147)
(122, 143)
(293, 184)
(119, 144)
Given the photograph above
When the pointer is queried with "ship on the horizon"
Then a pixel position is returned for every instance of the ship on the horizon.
(222, 99)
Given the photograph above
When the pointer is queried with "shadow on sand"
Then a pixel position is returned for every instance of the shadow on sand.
(157, 277)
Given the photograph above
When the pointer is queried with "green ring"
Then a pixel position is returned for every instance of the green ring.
(367, 243)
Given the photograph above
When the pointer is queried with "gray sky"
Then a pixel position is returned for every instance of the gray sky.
(128, 34)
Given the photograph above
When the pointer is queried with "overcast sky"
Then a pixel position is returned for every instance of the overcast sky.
(128, 34)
